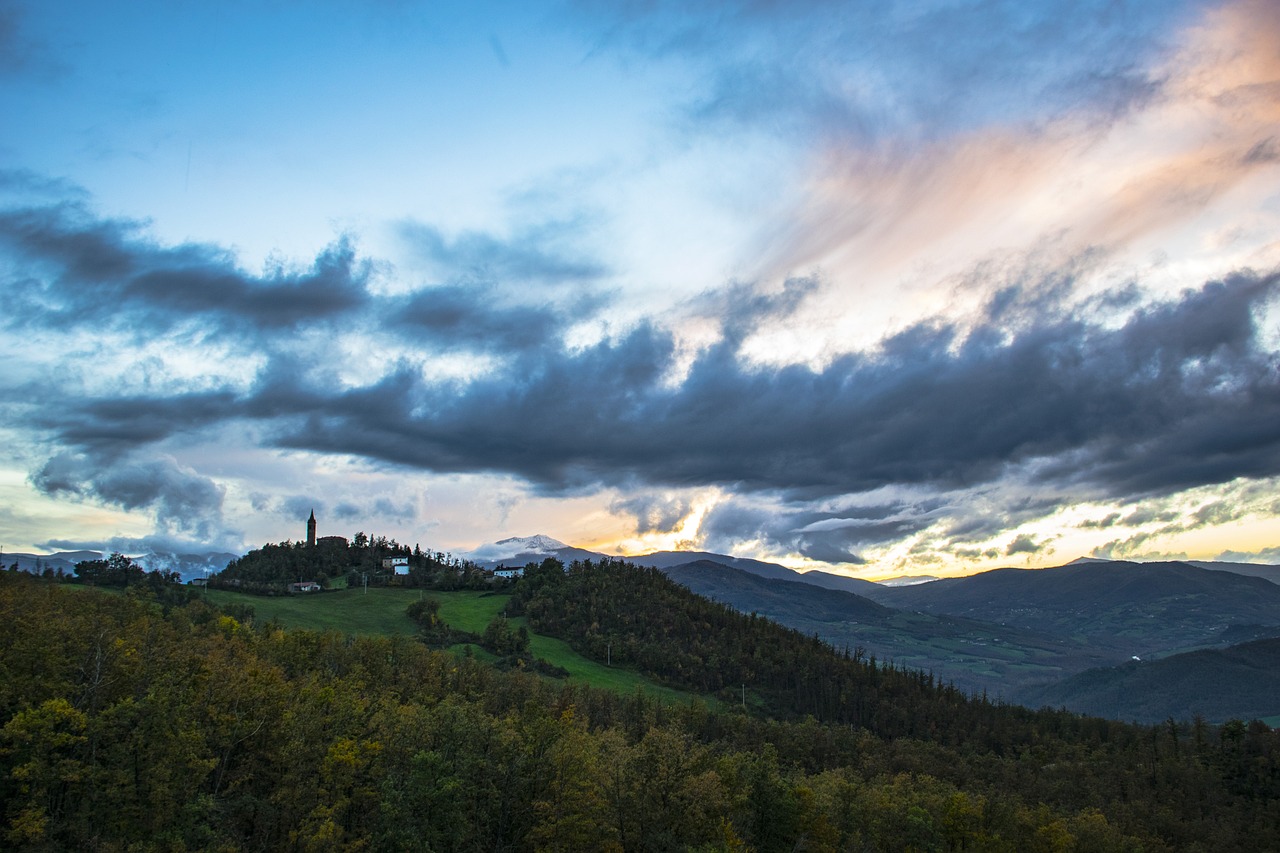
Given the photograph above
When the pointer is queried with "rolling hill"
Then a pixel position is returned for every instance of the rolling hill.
(1238, 682)
(974, 656)
(1126, 609)
(1257, 570)
(1010, 632)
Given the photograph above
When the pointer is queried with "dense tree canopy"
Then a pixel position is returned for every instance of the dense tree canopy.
(125, 724)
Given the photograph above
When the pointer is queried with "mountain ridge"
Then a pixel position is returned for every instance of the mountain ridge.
(1237, 682)
(188, 566)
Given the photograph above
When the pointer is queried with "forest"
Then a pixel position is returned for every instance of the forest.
(134, 721)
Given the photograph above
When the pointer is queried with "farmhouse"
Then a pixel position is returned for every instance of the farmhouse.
(399, 565)
(502, 572)
(304, 586)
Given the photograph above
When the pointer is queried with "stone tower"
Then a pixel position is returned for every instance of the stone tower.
(311, 529)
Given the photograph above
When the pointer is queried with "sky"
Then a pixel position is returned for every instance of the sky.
(875, 288)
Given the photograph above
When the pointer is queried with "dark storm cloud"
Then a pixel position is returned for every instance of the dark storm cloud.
(533, 255)
(458, 316)
(730, 522)
(112, 426)
(825, 536)
(653, 513)
(181, 498)
(972, 518)
(155, 544)
(301, 506)
(70, 267)
(742, 309)
(385, 508)
(1181, 394)
(1022, 544)
(1141, 515)
(347, 510)
(828, 547)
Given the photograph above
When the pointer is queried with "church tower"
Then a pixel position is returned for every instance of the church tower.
(311, 530)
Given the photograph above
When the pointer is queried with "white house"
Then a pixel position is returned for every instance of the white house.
(399, 565)
(508, 573)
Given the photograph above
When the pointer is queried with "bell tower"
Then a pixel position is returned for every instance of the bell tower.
(311, 530)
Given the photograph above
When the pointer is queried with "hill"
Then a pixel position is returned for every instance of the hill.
(1257, 570)
(188, 566)
(1239, 682)
(774, 597)
(667, 559)
(975, 656)
(1122, 608)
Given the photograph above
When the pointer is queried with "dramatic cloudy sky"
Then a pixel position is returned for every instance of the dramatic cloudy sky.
(884, 288)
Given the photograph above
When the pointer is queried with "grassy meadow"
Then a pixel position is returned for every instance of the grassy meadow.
(381, 611)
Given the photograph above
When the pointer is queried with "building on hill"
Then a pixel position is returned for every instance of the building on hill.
(305, 586)
(332, 540)
(504, 572)
(399, 565)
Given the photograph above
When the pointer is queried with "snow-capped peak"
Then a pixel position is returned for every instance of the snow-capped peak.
(536, 544)
(516, 546)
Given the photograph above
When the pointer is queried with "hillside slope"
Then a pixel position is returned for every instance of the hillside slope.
(667, 559)
(1143, 609)
(975, 656)
(788, 598)
(1239, 682)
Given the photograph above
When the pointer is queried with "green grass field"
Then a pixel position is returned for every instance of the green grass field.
(382, 612)
(378, 611)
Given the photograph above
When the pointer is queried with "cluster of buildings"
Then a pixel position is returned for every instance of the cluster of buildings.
(397, 565)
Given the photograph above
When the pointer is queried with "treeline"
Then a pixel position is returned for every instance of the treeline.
(125, 725)
(270, 569)
(119, 570)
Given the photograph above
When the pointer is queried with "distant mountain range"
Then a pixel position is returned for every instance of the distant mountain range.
(1143, 609)
(188, 566)
(519, 550)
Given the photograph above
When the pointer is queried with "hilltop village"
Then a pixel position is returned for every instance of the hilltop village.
(318, 563)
